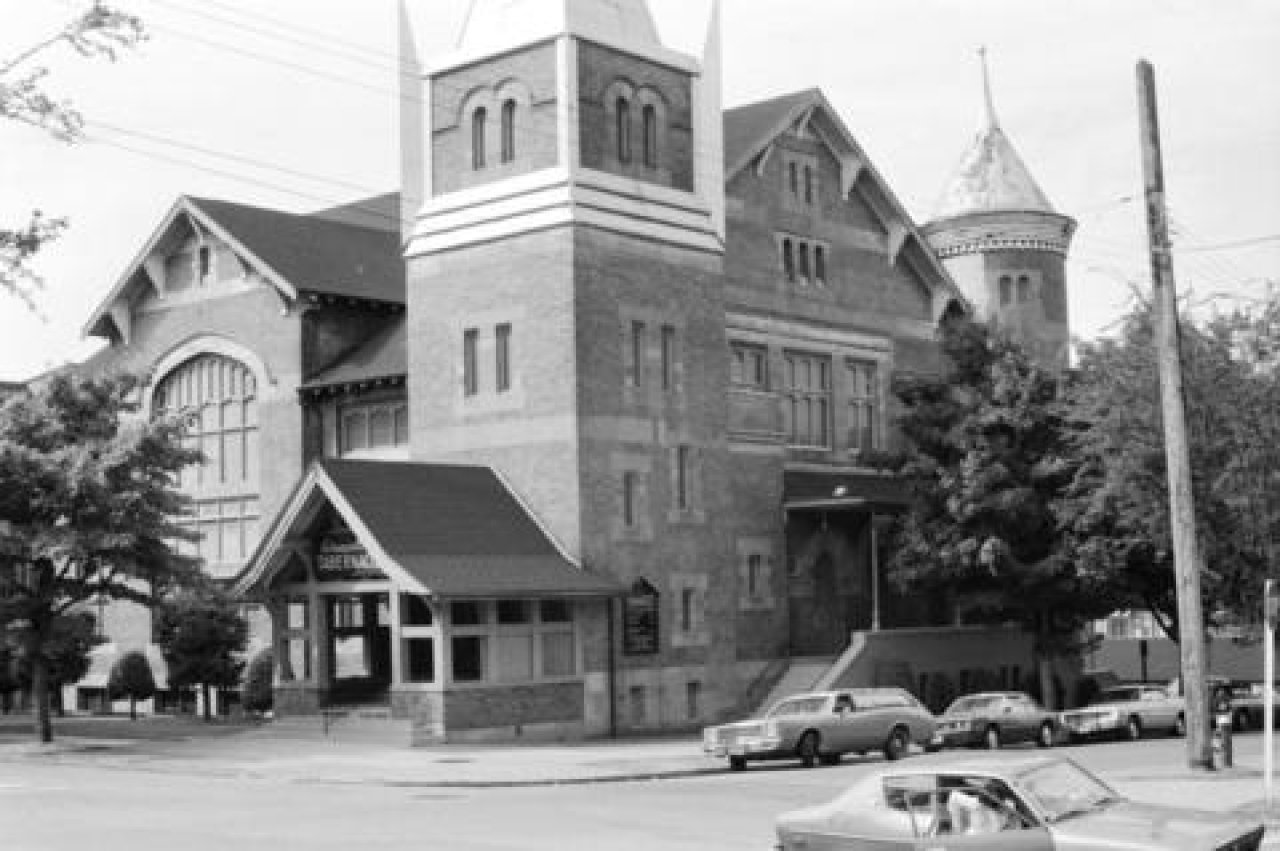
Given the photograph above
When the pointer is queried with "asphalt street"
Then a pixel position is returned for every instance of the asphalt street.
(84, 804)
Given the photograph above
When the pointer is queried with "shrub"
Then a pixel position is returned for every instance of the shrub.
(131, 678)
(258, 696)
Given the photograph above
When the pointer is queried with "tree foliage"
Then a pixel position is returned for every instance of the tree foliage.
(987, 453)
(88, 510)
(100, 32)
(202, 636)
(131, 679)
(1116, 510)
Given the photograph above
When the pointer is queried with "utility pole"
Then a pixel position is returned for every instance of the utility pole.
(1182, 515)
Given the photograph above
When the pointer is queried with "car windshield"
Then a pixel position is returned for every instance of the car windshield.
(974, 703)
(800, 706)
(1064, 789)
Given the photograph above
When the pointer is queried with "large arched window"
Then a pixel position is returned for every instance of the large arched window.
(650, 139)
(623, 130)
(478, 120)
(508, 131)
(220, 398)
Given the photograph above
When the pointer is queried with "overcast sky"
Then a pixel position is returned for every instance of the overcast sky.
(292, 104)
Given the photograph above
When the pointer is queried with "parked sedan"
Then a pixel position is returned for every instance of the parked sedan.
(1128, 712)
(823, 726)
(1032, 803)
(991, 719)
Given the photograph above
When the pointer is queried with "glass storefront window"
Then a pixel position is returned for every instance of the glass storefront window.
(555, 611)
(296, 664)
(415, 610)
(558, 659)
(350, 657)
(466, 613)
(515, 658)
(419, 660)
(513, 611)
(468, 658)
(298, 615)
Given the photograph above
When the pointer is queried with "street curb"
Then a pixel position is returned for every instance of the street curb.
(640, 777)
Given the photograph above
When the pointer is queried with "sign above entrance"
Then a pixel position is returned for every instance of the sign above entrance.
(340, 558)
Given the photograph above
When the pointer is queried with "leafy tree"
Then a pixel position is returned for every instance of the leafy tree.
(131, 678)
(987, 455)
(99, 32)
(88, 509)
(258, 695)
(8, 679)
(202, 634)
(1116, 510)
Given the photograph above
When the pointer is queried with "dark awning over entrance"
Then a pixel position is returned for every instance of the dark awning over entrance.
(452, 530)
(833, 490)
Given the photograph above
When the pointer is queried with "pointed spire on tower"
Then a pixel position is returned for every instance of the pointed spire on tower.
(989, 117)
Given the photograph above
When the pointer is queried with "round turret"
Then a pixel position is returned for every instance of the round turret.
(1004, 243)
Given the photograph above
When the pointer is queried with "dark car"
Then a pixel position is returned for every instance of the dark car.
(991, 719)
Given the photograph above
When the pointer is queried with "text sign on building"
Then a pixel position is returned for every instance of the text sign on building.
(340, 558)
(640, 620)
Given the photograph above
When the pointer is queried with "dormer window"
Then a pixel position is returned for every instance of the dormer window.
(623, 130)
(650, 140)
(508, 131)
(479, 119)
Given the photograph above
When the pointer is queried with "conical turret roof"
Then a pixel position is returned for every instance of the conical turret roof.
(622, 22)
(991, 177)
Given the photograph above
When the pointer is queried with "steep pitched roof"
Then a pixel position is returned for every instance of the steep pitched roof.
(382, 356)
(991, 177)
(315, 254)
(452, 530)
(752, 127)
(323, 254)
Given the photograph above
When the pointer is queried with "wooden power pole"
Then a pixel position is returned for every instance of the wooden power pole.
(1182, 515)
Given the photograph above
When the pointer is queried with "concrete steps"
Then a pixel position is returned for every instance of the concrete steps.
(802, 674)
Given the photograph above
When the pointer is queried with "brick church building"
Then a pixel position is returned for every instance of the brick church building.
(577, 432)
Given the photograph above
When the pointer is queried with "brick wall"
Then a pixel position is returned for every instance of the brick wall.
(512, 706)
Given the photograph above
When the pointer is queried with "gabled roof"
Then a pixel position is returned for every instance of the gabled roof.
(317, 255)
(384, 355)
(323, 254)
(752, 130)
(446, 530)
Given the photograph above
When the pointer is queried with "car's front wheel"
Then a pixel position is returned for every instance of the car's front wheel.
(895, 747)
(807, 750)
(1044, 738)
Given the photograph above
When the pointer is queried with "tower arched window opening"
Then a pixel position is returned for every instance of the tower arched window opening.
(479, 119)
(819, 264)
(793, 178)
(508, 131)
(623, 130)
(1024, 289)
(1006, 290)
(650, 140)
(804, 261)
(788, 260)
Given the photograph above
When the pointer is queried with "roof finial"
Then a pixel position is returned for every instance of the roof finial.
(990, 114)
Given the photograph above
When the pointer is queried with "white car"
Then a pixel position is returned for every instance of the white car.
(1128, 711)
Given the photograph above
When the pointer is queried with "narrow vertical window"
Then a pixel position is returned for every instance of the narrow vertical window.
(668, 357)
(508, 131)
(502, 357)
(1006, 289)
(478, 120)
(470, 379)
(683, 460)
(623, 109)
(204, 259)
(820, 264)
(650, 140)
(1024, 288)
(693, 703)
(637, 353)
(864, 405)
(788, 260)
(793, 179)
(804, 261)
(754, 562)
(808, 184)
(686, 609)
(630, 488)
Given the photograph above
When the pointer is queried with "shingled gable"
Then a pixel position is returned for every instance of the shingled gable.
(438, 529)
(750, 132)
(322, 254)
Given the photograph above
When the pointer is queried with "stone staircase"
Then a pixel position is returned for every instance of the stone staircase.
(803, 674)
